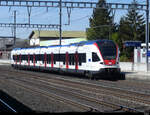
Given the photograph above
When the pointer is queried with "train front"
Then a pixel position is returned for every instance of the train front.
(109, 53)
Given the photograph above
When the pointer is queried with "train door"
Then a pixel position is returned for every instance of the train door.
(82, 57)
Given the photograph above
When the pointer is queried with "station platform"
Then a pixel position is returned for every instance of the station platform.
(4, 61)
(129, 75)
(134, 75)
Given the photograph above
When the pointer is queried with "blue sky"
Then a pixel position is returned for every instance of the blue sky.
(79, 17)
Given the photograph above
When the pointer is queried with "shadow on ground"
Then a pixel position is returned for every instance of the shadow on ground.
(13, 103)
(112, 77)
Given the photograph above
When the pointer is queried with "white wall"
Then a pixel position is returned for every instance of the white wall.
(129, 66)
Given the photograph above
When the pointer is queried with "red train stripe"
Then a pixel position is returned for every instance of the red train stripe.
(52, 60)
(76, 61)
(34, 60)
(67, 60)
(98, 49)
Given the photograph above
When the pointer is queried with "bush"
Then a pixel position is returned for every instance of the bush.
(124, 58)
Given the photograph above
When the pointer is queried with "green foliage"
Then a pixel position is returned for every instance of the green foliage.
(124, 58)
(100, 23)
(130, 28)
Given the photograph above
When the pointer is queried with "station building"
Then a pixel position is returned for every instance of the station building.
(47, 38)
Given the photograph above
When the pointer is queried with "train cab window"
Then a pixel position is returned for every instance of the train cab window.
(95, 57)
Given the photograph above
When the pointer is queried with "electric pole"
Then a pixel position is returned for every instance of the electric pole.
(147, 34)
(60, 21)
(14, 28)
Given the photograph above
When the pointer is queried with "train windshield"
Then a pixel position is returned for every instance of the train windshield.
(108, 49)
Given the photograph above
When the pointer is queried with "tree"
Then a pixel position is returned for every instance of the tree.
(100, 22)
(131, 28)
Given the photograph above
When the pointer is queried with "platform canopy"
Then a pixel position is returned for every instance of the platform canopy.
(132, 43)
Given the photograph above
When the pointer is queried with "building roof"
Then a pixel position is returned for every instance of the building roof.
(55, 34)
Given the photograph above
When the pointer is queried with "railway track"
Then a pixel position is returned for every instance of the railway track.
(85, 85)
(87, 107)
(117, 92)
(132, 85)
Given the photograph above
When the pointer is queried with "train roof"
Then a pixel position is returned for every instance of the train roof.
(73, 44)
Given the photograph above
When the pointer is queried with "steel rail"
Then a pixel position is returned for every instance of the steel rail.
(58, 97)
(93, 84)
(87, 84)
(85, 89)
(8, 106)
(112, 105)
(107, 89)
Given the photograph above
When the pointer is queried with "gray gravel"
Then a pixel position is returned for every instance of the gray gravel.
(35, 102)
(40, 103)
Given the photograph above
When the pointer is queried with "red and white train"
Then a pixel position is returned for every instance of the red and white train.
(89, 58)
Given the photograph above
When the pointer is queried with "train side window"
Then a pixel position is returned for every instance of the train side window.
(95, 57)
(22, 57)
(31, 58)
(47, 58)
(79, 59)
(62, 58)
(17, 58)
(50, 58)
(84, 57)
(26, 58)
(14, 57)
(42, 58)
(55, 58)
(39, 57)
(70, 59)
(36, 56)
(73, 59)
